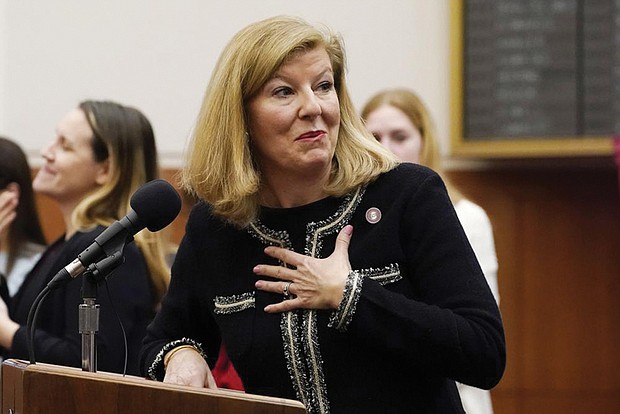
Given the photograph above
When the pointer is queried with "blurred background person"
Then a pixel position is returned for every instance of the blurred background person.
(103, 152)
(21, 236)
(400, 121)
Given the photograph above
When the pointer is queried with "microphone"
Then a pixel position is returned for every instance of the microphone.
(154, 205)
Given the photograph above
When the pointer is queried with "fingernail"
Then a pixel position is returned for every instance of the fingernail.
(256, 269)
(348, 229)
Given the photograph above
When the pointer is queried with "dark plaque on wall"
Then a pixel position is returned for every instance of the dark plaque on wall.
(536, 72)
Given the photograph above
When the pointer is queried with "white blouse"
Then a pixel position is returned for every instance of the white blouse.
(26, 259)
(479, 231)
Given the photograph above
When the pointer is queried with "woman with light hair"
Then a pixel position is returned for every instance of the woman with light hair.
(103, 152)
(331, 273)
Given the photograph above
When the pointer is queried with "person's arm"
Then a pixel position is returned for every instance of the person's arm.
(186, 365)
(7, 326)
(451, 326)
(57, 337)
(9, 199)
(183, 320)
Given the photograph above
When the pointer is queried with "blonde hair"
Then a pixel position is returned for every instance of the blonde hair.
(220, 169)
(124, 137)
(413, 107)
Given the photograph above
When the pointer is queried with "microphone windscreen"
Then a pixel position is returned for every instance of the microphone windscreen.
(156, 203)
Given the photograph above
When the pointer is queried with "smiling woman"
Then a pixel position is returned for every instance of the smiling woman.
(293, 128)
(102, 153)
(270, 264)
(73, 168)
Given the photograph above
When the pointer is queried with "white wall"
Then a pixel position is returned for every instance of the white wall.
(158, 55)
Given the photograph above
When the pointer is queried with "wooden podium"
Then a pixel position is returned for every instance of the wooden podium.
(44, 388)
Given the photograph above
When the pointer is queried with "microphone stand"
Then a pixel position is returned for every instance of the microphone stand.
(88, 311)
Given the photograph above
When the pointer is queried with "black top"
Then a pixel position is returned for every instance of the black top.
(419, 312)
(57, 340)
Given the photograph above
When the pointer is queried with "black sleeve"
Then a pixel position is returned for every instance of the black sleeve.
(452, 324)
(4, 291)
(184, 317)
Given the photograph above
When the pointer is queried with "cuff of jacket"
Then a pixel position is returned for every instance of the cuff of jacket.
(342, 316)
(156, 370)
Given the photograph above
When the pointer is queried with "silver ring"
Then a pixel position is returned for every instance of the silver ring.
(285, 291)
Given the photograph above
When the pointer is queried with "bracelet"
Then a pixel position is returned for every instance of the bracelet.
(171, 353)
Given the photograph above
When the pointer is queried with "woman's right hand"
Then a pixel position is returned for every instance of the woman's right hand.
(9, 198)
(188, 367)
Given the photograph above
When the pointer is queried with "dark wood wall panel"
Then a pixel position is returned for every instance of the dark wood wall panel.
(558, 242)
